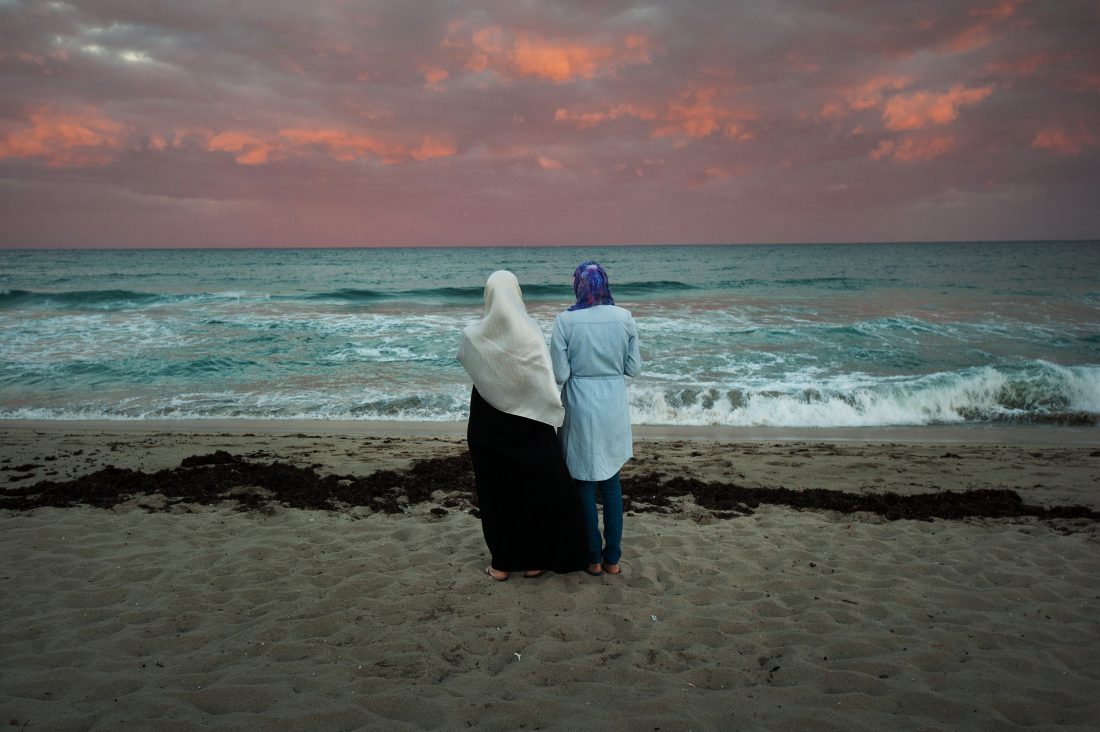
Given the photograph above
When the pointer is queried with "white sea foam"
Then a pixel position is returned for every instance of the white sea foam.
(852, 401)
(1043, 391)
(379, 354)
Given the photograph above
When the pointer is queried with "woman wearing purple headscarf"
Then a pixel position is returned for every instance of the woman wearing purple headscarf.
(593, 346)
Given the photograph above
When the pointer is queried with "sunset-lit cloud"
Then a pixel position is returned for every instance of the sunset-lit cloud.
(341, 145)
(923, 109)
(872, 93)
(563, 121)
(976, 36)
(548, 163)
(989, 23)
(695, 113)
(914, 149)
(66, 138)
(515, 54)
(701, 112)
(1064, 141)
(1025, 65)
(583, 120)
(869, 94)
(998, 10)
(435, 76)
(430, 147)
(248, 149)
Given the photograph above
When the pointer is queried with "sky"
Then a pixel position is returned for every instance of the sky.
(574, 122)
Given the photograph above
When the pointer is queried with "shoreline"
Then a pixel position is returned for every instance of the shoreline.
(977, 434)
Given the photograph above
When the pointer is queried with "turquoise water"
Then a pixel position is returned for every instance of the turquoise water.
(808, 335)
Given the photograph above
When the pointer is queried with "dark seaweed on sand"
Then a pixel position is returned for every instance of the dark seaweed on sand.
(727, 499)
(219, 477)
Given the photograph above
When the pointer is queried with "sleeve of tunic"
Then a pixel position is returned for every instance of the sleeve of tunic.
(633, 364)
(559, 353)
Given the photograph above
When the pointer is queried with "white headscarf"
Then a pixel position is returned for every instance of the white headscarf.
(506, 356)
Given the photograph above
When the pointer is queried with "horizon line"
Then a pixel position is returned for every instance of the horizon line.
(291, 247)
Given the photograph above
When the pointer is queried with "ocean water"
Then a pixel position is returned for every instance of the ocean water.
(795, 336)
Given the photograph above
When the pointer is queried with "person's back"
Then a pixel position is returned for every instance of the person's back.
(599, 341)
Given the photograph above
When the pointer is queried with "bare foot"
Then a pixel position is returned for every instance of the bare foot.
(496, 574)
(594, 569)
(612, 569)
(532, 573)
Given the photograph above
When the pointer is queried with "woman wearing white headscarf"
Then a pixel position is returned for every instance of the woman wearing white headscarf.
(529, 513)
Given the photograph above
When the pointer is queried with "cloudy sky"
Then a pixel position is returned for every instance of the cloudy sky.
(336, 122)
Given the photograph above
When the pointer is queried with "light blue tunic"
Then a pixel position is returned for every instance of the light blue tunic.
(591, 350)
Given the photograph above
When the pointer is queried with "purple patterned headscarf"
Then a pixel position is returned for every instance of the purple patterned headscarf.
(591, 286)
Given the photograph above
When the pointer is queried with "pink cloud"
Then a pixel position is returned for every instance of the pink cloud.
(914, 149)
(924, 109)
(696, 113)
(548, 163)
(558, 62)
(433, 146)
(435, 76)
(67, 138)
(831, 110)
(971, 39)
(1024, 66)
(871, 94)
(346, 146)
(987, 27)
(902, 111)
(341, 145)
(1062, 141)
(516, 54)
(999, 10)
(584, 120)
(250, 149)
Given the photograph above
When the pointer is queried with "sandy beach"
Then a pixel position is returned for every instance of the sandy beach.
(163, 613)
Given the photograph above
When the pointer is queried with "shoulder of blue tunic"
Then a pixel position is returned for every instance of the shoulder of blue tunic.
(601, 314)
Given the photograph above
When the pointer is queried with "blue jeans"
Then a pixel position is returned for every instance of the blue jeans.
(607, 548)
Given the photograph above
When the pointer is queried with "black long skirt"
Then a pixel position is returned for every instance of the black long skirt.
(530, 511)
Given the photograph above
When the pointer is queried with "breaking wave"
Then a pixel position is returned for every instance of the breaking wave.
(1039, 393)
